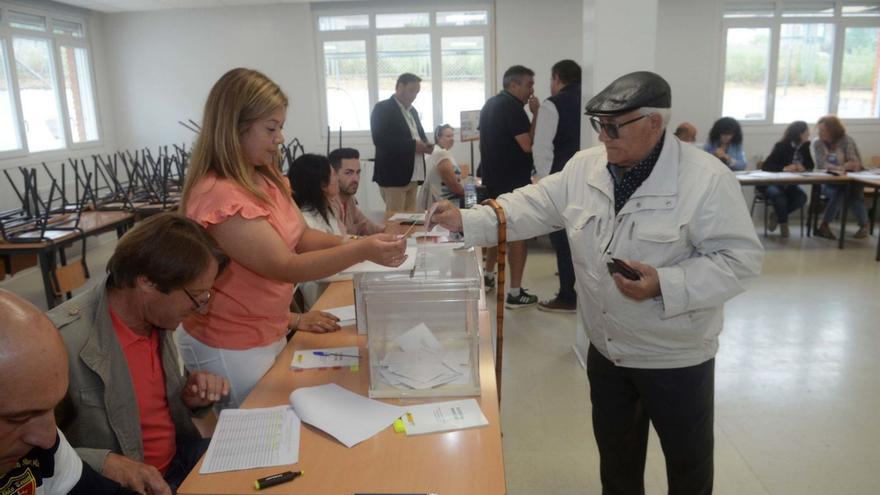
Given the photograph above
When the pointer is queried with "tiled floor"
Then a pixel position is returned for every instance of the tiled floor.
(796, 385)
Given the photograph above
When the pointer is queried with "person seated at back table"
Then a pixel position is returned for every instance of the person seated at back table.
(35, 458)
(347, 163)
(686, 133)
(128, 411)
(725, 142)
(315, 187)
(790, 154)
(836, 152)
(444, 175)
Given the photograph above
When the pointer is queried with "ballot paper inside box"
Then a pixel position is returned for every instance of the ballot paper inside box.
(422, 326)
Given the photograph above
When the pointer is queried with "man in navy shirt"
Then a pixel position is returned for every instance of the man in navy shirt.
(35, 458)
(506, 163)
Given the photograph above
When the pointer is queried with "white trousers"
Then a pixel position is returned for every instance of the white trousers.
(243, 368)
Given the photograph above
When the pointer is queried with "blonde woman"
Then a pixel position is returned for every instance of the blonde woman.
(234, 187)
(444, 175)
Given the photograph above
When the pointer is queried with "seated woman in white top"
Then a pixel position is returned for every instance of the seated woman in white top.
(443, 177)
(316, 191)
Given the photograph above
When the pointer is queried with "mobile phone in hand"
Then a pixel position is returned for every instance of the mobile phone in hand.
(628, 272)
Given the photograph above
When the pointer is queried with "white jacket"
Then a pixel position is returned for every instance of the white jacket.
(688, 219)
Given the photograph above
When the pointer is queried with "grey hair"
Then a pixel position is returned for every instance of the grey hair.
(664, 113)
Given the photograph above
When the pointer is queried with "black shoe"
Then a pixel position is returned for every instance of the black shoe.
(488, 283)
(522, 300)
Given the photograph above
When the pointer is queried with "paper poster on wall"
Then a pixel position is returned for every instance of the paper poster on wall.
(470, 122)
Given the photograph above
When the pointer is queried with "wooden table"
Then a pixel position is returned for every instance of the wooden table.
(454, 463)
(745, 179)
(91, 223)
(875, 183)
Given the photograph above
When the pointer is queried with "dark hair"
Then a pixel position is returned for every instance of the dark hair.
(793, 132)
(567, 71)
(516, 73)
(339, 154)
(439, 130)
(308, 174)
(834, 126)
(726, 125)
(407, 78)
(168, 249)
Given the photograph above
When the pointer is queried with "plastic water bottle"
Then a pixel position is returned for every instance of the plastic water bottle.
(470, 192)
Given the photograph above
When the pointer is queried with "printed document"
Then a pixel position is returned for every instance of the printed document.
(253, 438)
(443, 416)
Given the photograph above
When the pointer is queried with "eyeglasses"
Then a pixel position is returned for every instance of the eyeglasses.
(199, 307)
(611, 129)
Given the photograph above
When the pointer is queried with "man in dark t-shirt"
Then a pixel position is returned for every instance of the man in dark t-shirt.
(506, 163)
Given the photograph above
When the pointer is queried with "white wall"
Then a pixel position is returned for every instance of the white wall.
(688, 48)
(164, 63)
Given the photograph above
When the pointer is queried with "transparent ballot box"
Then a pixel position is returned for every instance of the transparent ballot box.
(422, 325)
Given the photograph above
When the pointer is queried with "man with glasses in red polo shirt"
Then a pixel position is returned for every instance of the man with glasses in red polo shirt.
(128, 411)
(660, 237)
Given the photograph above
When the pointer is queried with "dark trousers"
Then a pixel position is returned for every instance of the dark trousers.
(678, 402)
(185, 459)
(564, 266)
(785, 199)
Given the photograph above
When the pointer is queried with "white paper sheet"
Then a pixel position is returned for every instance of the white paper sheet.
(307, 359)
(346, 315)
(349, 417)
(443, 416)
(370, 267)
(253, 438)
(418, 338)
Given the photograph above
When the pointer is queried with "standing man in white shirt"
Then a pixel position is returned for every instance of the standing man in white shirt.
(401, 145)
(557, 139)
(677, 218)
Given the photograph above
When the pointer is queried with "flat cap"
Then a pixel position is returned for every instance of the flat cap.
(630, 92)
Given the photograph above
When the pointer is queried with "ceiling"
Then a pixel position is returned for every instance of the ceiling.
(142, 5)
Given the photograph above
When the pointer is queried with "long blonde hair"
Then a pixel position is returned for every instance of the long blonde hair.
(237, 99)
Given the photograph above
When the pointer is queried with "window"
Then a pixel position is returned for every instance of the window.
(47, 94)
(787, 61)
(79, 95)
(860, 74)
(9, 139)
(804, 70)
(345, 77)
(464, 76)
(363, 54)
(39, 94)
(746, 69)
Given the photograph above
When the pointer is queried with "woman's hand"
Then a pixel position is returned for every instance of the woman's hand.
(317, 322)
(384, 249)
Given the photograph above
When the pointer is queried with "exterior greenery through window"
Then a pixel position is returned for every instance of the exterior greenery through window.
(786, 62)
(47, 99)
(362, 55)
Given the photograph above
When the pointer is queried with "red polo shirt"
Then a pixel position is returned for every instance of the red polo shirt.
(145, 367)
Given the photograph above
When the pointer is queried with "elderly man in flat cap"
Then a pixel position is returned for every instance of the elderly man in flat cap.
(660, 237)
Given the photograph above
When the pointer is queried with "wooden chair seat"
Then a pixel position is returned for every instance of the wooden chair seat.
(66, 278)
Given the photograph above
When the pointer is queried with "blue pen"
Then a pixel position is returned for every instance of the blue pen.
(322, 353)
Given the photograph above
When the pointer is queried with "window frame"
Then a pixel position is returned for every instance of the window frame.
(56, 41)
(775, 22)
(369, 35)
